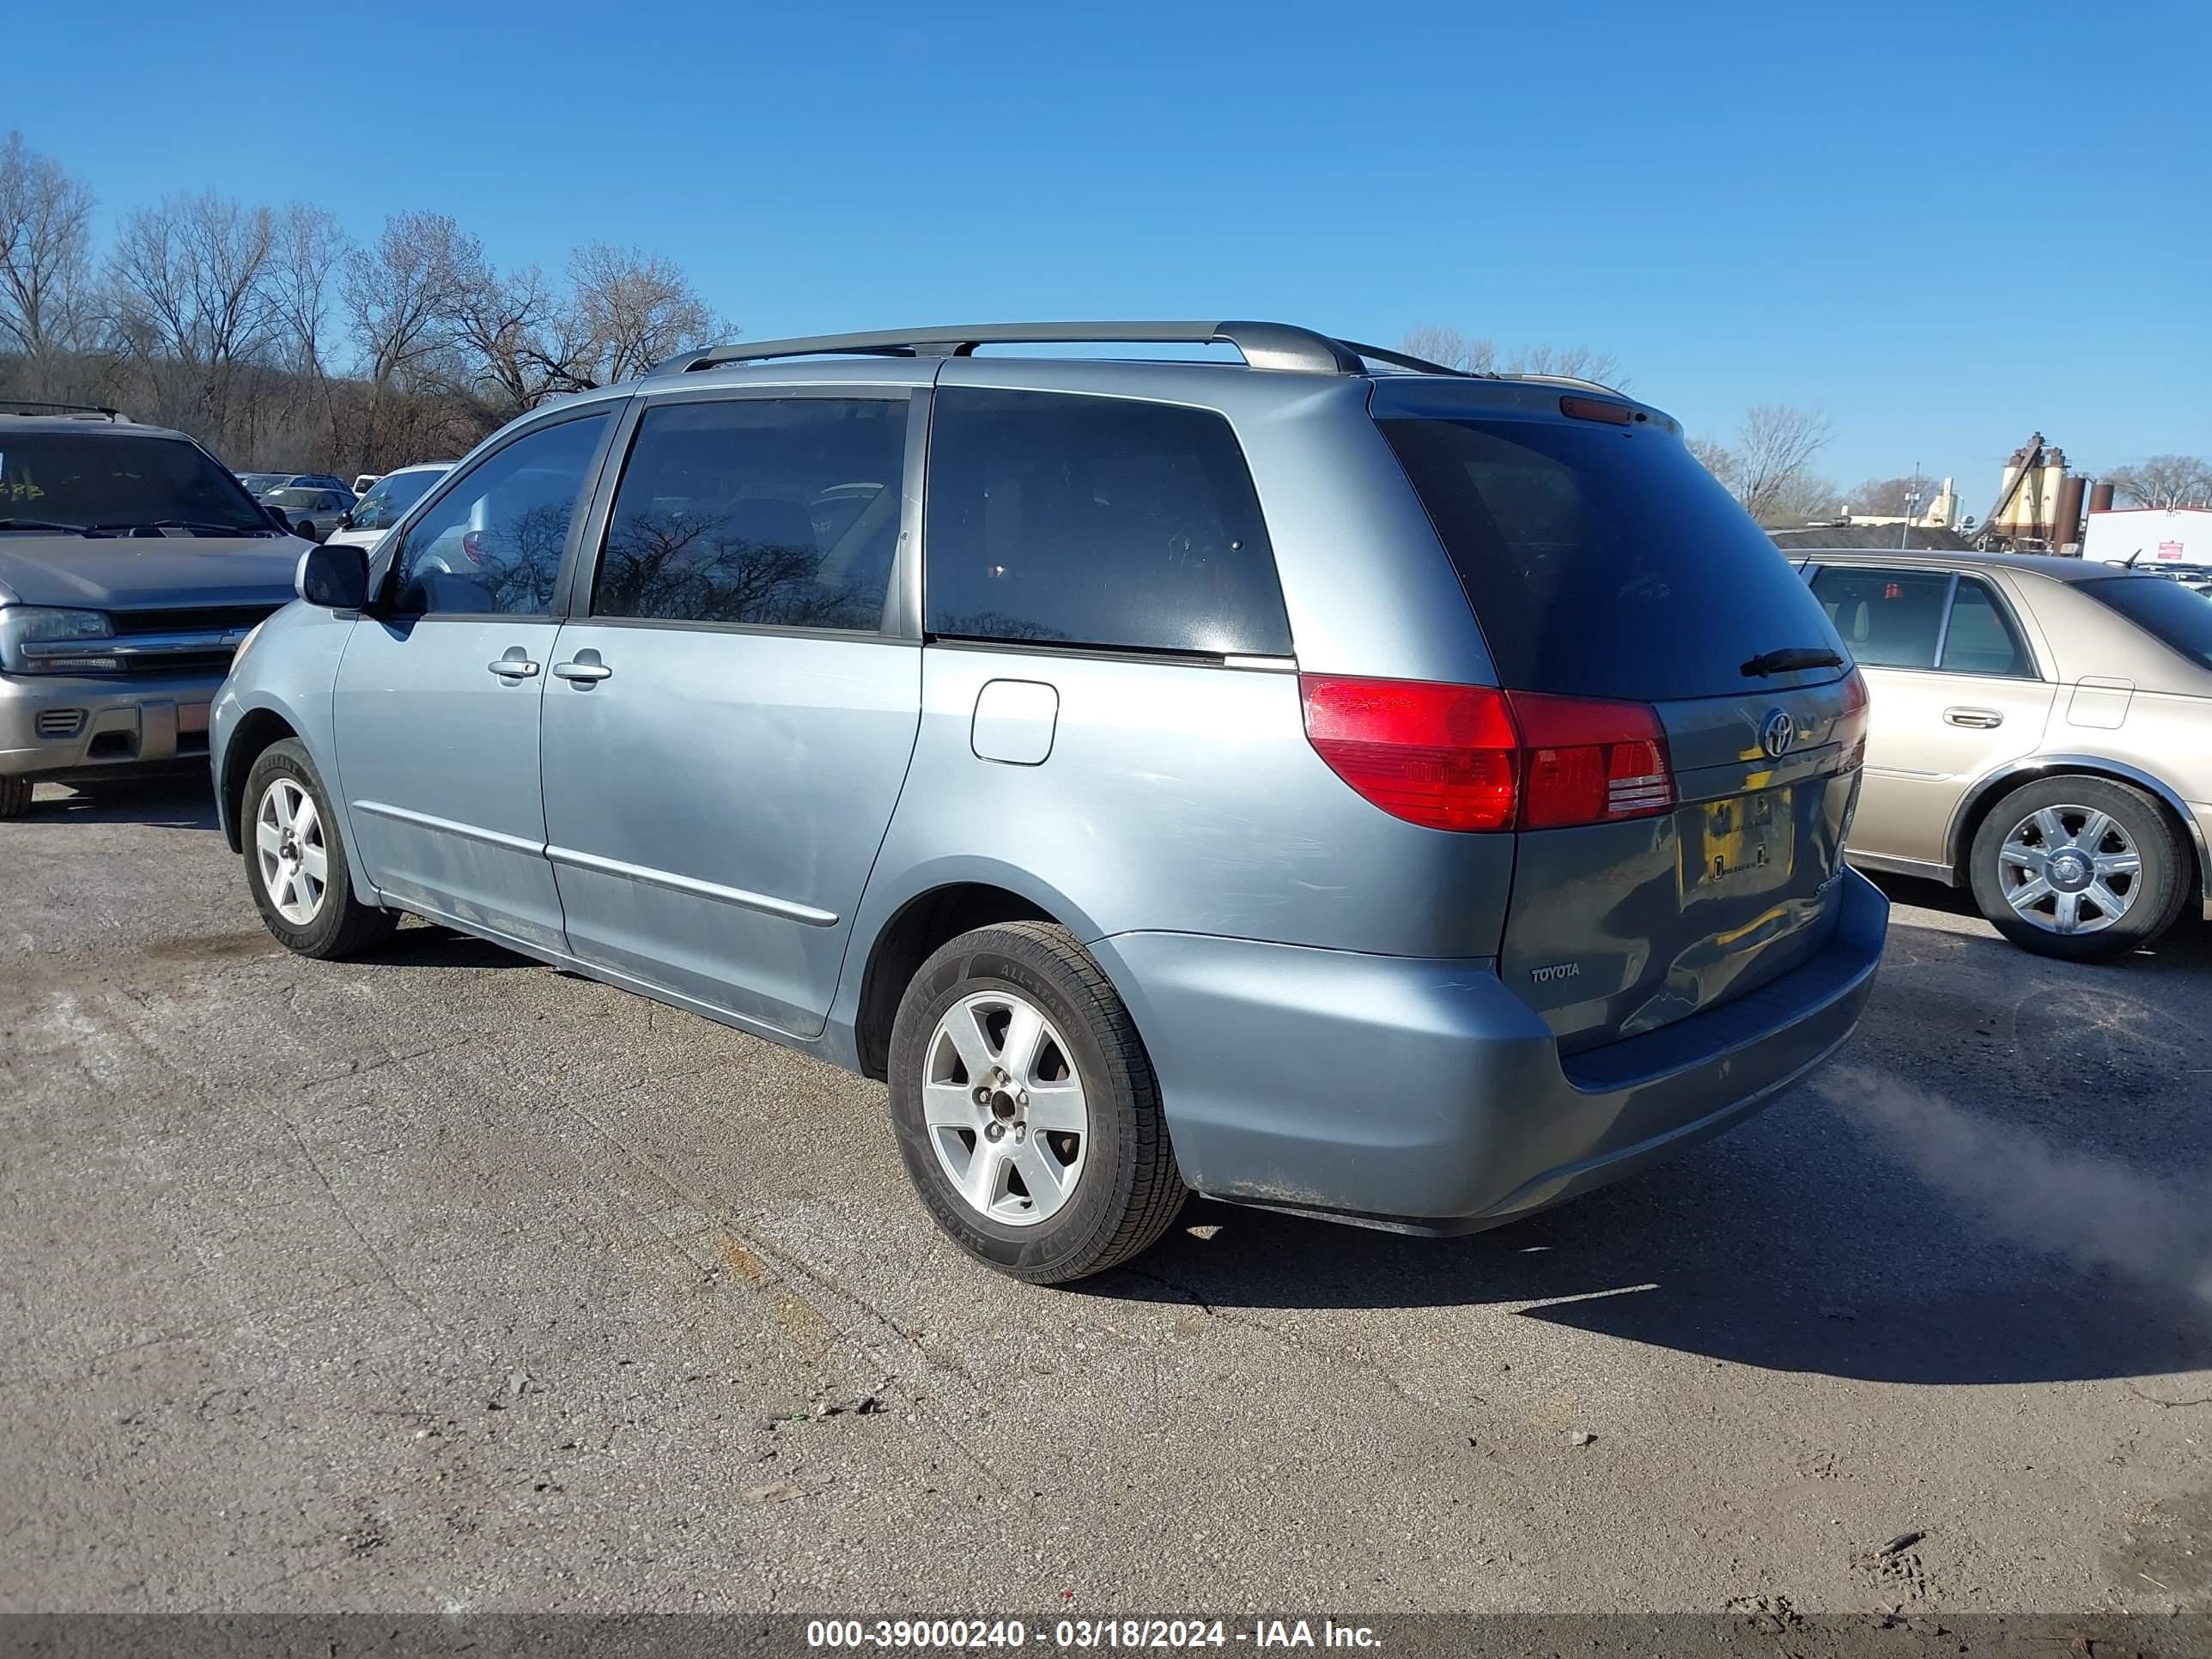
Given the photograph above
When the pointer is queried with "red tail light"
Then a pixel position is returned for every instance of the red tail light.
(1851, 726)
(1443, 755)
(1475, 757)
(1590, 762)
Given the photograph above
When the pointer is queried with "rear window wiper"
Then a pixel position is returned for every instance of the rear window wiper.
(1790, 659)
(205, 526)
(46, 523)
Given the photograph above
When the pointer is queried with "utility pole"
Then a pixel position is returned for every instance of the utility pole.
(1911, 504)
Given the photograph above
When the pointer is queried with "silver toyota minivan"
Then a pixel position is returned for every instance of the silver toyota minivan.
(1327, 782)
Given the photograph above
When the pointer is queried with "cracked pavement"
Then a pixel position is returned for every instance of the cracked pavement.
(447, 1281)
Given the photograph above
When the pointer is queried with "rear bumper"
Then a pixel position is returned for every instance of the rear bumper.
(1424, 1096)
(57, 725)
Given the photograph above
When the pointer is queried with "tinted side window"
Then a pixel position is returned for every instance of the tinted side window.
(2167, 610)
(388, 500)
(781, 512)
(1887, 618)
(1980, 639)
(1097, 521)
(492, 544)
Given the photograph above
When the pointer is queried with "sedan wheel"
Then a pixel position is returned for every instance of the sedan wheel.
(2069, 869)
(2084, 868)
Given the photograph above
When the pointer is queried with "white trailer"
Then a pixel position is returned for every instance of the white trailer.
(2149, 535)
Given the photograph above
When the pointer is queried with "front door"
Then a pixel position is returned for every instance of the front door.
(729, 720)
(1955, 693)
(435, 714)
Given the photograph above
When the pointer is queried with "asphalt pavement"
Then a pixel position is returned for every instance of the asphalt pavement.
(447, 1281)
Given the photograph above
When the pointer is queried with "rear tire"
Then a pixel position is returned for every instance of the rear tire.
(2104, 854)
(1062, 1168)
(15, 797)
(296, 864)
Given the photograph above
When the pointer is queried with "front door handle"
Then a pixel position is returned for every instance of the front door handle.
(584, 669)
(514, 665)
(1981, 719)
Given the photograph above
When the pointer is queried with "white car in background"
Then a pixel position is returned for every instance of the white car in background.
(363, 480)
(387, 504)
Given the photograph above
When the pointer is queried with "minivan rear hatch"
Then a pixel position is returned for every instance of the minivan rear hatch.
(1606, 567)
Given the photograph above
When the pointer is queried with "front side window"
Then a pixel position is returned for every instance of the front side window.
(1887, 618)
(492, 544)
(772, 511)
(1096, 521)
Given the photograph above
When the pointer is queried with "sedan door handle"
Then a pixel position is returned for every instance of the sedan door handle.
(514, 665)
(1982, 719)
(583, 673)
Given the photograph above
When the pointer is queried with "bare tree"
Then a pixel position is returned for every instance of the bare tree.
(310, 248)
(2167, 481)
(1773, 454)
(189, 298)
(1454, 348)
(1887, 497)
(633, 308)
(1716, 457)
(400, 293)
(45, 241)
(521, 344)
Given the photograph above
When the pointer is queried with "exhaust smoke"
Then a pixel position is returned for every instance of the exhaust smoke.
(2094, 1212)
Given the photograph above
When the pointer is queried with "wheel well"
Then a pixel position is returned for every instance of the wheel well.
(907, 941)
(1978, 808)
(255, 733)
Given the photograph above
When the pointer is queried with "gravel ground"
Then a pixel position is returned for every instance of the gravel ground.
(447, 1281)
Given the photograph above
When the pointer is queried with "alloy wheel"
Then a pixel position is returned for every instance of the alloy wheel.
(1004, 1107)
(289, 845)
(2069, 870)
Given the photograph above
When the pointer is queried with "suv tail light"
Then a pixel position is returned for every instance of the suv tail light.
(1851, 725)
(1475, 757)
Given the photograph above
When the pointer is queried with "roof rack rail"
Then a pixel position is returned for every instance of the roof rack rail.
(1265, 346)
(32, 406)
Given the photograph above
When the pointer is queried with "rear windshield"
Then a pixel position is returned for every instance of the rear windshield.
(2172, 614)
(113, 480)
(1607, 563)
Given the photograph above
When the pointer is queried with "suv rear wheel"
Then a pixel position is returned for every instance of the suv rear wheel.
(296, 864)
(2080, 868)
(1026, 1108)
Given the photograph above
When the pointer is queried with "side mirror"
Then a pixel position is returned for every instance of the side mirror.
(335, 578)
(345, 521)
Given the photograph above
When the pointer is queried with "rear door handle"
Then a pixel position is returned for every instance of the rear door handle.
(1980, 718)
(514, 665)
(581, 672)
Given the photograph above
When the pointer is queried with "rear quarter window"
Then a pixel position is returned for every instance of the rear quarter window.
(1603, 561)
(1094, 521)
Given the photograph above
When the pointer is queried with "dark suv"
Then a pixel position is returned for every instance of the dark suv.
(132, 565)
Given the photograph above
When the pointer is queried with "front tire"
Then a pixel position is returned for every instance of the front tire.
(296, 863)
(1025, 1107)
(2079, 868)
(15, 797)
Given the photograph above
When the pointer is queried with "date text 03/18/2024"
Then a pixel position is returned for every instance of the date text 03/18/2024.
(1124, 1634)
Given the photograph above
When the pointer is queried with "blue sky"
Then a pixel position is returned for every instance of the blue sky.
(1944, 225)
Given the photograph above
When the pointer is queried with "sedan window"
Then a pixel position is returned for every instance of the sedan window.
(1889, 618)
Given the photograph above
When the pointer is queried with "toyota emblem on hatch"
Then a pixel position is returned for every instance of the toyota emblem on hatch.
(1775, 736)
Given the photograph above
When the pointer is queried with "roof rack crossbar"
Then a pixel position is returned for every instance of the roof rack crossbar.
(33, 406)
(1265, 346)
